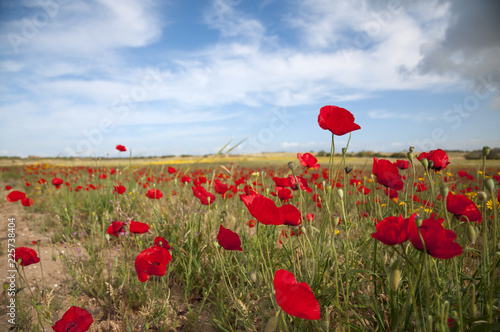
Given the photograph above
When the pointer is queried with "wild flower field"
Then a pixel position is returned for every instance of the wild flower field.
(400, 245)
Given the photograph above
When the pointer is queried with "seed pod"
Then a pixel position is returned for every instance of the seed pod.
(486, 151)
(291, 165)
(411, 149)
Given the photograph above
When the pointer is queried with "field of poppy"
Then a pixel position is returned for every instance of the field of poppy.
(398, 245)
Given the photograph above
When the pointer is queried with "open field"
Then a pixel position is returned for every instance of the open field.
(317, 225)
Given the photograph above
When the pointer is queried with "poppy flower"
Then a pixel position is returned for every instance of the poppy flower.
(220, 188)
(137, 227)
(8, 187)
(171, 170)
(461, 206)
(27, 201)
(308, 160)
(121, 148)
(387, 174)
(228, 239)
(281, 182)
(154, 194)
(251, 223)
(186, 179)
(152, 261)
(296, 299)
(293, 179)
(284, 194)
(337, 120)
(115, 228)
(28, 256)
(438, 241)
(438, 157)
(57, 182)
(204, 196)
(393, 230)
(402, 164)
(75, 319)
(15, 195)
(161, 242)
(263, 209)
(291, 215)
(310, 217)
(119, 189)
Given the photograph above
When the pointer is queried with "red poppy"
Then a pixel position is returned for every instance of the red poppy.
(137, 227)
(185, 179)
(308, 160)
(121, 148)
(28, 256)
(310, 217)
(438, 241)
(152, 261)
(296, 299)
(115, 228)
(302, 183)
(387, 174)
(57, 182)
(438, 157)
(284, 194)
(75, 319)
(220, 188)
(8, 187)
(462, 206)
(420, 186)
(171, 170)
(119, 189)
(337, 120)
(42, 181)
(393, 230)
(228, 239)
(161, 242)
(402, 164)
(204, 196)
(15, 195)
(281, 182)
(251, 223)
(154, 194)
(291, 215)
(27, 201)
(263, 209)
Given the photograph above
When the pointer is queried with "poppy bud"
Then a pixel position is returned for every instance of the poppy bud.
(271, 324)
(471, 233)
(482, 196)
(340, 193)
(410, 156)
(489, 184)
(411, 149)
(395, 277)
(291, 165)
(335, 220)
(253, 276)
(431, 163)
(418, 221)
(443, 190)
(344, 150)
(425, 163)
(486, 151)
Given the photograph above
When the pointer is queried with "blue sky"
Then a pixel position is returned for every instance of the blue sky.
(186, 77)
